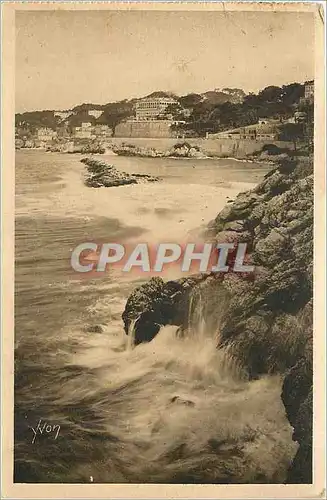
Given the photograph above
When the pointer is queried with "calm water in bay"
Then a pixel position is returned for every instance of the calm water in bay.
(113, 403)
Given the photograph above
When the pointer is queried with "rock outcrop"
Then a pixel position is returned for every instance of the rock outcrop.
(70, 147)
(99, 174)
(158, 303)
(186, 150)
(266, 322)
(297, 399)
(132, 150)
(179, 150)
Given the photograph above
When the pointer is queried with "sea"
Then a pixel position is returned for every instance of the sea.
(89, 406)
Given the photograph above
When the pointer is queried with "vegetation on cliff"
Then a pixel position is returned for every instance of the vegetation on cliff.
(208, 115)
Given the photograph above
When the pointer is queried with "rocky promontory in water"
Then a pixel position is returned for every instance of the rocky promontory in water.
(179, 150)
(102, 174)
(266, 322)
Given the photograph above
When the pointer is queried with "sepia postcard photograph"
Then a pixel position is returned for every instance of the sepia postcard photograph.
(163, 224)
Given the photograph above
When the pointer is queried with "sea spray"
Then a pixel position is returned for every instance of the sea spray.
(205, 312)
(196, 314)
(131, 335)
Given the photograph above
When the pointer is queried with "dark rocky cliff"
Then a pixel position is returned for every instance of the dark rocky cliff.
(266, 322)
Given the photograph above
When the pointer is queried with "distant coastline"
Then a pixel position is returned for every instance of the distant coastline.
(266, 152)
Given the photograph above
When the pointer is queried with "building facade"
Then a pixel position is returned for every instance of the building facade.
(89, 131)
(84, 132)
(102, 131)
(46, 134)
(150, 108)
(263, 130)
(309, 90)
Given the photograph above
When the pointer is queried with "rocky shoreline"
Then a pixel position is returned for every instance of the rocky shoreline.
(101, 174)
(179, 150)
(266, 155)
(266, 322)
(269, 154)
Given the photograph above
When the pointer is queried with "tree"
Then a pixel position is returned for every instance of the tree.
(292, 93)
(292, 132)
(77, 119)
(161, 93)
(271, 94)
(190, 100)
(116, 112)
(85, 107)
(175, 110)
(33, 120)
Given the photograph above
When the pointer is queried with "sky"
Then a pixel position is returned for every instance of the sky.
(65, 58)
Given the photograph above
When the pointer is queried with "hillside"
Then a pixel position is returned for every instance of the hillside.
(113, 111)
(210, 112)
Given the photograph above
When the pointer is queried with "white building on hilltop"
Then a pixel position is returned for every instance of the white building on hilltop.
(309, 88)
(86, 131)
(150, 108)
(95, 112)
(63, 114)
